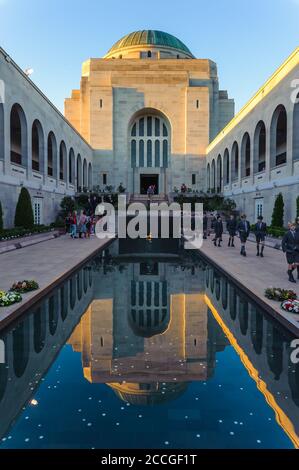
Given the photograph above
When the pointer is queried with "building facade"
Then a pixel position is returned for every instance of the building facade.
(39, 149)
(256, 156)
(149, 109)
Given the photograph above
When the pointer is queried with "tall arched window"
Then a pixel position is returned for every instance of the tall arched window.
(18, 136)
(245, 155)
(235, 161)
(259, 150)
(79, 172)
(278, 148)
(72, 166)
(85, 173)
(149, 142)
(62, 161)
(52, 155)
(208, 177)
(1, 131)
(226, 167)
(219, 174)
(295, 130)
(37, 149)
(213, 183)
(89, 176)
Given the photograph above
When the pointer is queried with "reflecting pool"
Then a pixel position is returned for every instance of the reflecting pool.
(148, 352)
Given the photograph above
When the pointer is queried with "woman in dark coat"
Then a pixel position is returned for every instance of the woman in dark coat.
(218, 231)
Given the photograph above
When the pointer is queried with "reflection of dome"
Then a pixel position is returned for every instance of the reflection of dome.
(154, 393)
(151, 39)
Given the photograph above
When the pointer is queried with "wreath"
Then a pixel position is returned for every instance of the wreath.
(276, 293)
(291, 306)
(24, 286)
(9, 298)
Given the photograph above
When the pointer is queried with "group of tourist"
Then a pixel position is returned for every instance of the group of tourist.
(80, 225)
(242, 228)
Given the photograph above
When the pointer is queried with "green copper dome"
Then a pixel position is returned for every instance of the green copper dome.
(152, 38)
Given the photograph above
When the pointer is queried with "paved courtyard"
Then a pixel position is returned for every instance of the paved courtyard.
(47, 263)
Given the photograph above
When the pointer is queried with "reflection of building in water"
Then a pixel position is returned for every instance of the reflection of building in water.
(146, 333)
(263, 347)
(34, 342)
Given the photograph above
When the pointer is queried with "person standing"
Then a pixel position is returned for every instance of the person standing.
(74, 225)
(244, 230)
(218, 231)
(231, 226)
(290, 246)
(260, 230)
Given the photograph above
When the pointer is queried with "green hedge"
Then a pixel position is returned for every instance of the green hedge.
(24, 213)
(12, 233)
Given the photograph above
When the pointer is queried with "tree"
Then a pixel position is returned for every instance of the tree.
(24, 213)
(67, 205)
(297, 206)
(1, 217)
(278, 212)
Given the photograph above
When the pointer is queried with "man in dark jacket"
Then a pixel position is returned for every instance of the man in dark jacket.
(260, 230)
(218, 231)
(231, 226)
(244, 230)
(290, 246)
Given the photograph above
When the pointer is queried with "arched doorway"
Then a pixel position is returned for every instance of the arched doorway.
(149, 138)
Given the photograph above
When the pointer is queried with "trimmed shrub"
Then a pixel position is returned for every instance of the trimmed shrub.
(1, 217)
(278, 212)
(24, 213)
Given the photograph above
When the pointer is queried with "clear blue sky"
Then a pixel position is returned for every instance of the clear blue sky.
(248, 39)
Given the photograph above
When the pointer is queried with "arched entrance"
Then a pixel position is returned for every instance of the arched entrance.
(149, 138)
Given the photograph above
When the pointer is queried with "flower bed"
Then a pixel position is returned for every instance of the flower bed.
(9, 298)
(290, 306)
(276, 293)
(24, 286)
(19, 232)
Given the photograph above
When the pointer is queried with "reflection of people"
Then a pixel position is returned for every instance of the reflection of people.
(244, 230)
(260, 230)
(231, 226)
(290, 246)
(205, 225)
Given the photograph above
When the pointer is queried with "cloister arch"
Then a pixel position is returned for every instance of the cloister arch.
(72, 169)
(52, 155)
(62, 161)
(37, 146)
(278, 137)
(245, 156)
(235, 161)
(213, 176)
(209, 177)
(226, 167)
(219, 174)
(89, 176)
(79, 172)
(295, 130)
(259, 148)
(84, 173)
(1, 131)
(18, 136)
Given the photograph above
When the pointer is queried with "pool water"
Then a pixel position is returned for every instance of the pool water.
(148, 352)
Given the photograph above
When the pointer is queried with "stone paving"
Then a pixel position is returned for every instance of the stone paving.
(255, 273)
(47, 263)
